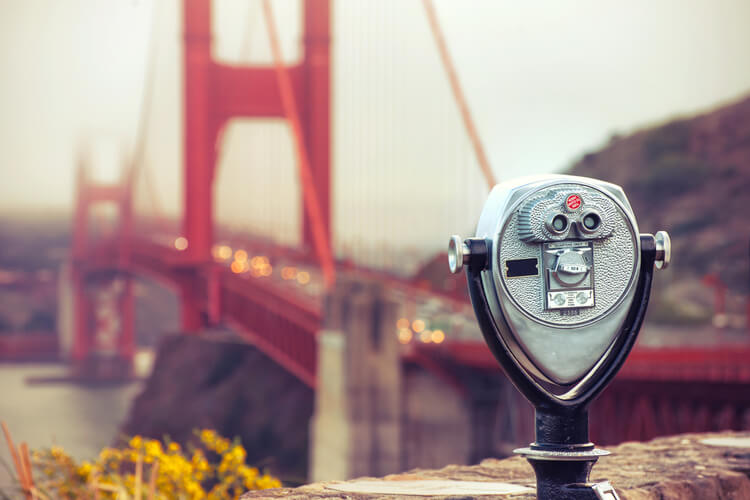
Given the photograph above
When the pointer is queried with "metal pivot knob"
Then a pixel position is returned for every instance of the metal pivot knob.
(458, 254)
(472, 252)
(663, 250)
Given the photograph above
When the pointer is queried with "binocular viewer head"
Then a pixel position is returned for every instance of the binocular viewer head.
(559, 277)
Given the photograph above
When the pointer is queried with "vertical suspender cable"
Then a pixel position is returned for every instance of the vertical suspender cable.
(458, 94)
(389, 105)
(244, 57)
(310, 197)
(358, 135)
(147, 95)
(141, 139)
(372, 142)
(246, 47)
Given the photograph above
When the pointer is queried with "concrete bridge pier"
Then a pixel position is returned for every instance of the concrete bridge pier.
(376, 414)
(95, 324)
(356, 428)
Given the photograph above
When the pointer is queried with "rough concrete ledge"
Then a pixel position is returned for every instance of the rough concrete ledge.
(679, 467)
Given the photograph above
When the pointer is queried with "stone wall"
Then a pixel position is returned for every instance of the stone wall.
(684, 467)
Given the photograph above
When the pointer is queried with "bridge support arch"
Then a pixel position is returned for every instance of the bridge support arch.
(103, 343)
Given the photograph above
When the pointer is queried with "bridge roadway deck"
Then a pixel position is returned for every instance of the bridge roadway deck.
(282, 316)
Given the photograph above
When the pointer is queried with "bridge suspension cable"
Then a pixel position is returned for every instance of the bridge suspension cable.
(458, 94)
(310, 198)
(246, 46)
(138, 166)
(147, 95)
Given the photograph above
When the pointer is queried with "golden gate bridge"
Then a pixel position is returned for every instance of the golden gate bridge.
(270, 285)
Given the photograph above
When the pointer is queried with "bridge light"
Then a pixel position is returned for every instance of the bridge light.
(418, 325)
(438, 336)
(259, 261)
(266, 270)
(425, 336)
(237, 267)
(225, 252)
(402, 323)
(181, 243)
(289, 273)
(303, 278)
(240, 256)
(404, 335)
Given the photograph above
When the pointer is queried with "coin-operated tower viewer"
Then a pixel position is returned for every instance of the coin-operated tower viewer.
(560, 277)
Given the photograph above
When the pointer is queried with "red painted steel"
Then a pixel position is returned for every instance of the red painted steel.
(315, 227)
(714, 364)
(658, 391)
(644, 409)
(720, 292)
(90, 258)
(282, 325)
(458, 94)
(201, 130)
(674, 390)
(315, 111)
(79, 246)
(29, 346)
(215, 93)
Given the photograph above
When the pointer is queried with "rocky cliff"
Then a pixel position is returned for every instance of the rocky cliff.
(221, 383)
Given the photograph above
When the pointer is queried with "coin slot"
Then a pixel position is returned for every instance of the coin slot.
(518, 268)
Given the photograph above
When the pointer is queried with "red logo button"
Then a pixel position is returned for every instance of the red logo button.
(573, 202)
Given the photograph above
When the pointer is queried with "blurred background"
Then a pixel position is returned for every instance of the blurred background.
(233, 214)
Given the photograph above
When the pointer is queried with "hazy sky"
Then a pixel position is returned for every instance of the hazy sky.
(546, 80)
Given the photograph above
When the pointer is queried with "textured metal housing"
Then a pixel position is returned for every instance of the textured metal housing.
(559, 348)
(614, 255)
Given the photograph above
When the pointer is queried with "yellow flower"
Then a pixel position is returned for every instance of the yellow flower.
(266, 482)
(208, 436)
(108, 454)
(248, 475)
(136, 442)
(221, 445)
(84, 470)
(153, 448)
(131, 455)
(238, 453)
(181, 475)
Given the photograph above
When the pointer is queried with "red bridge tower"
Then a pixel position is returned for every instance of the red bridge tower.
(216, 93)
